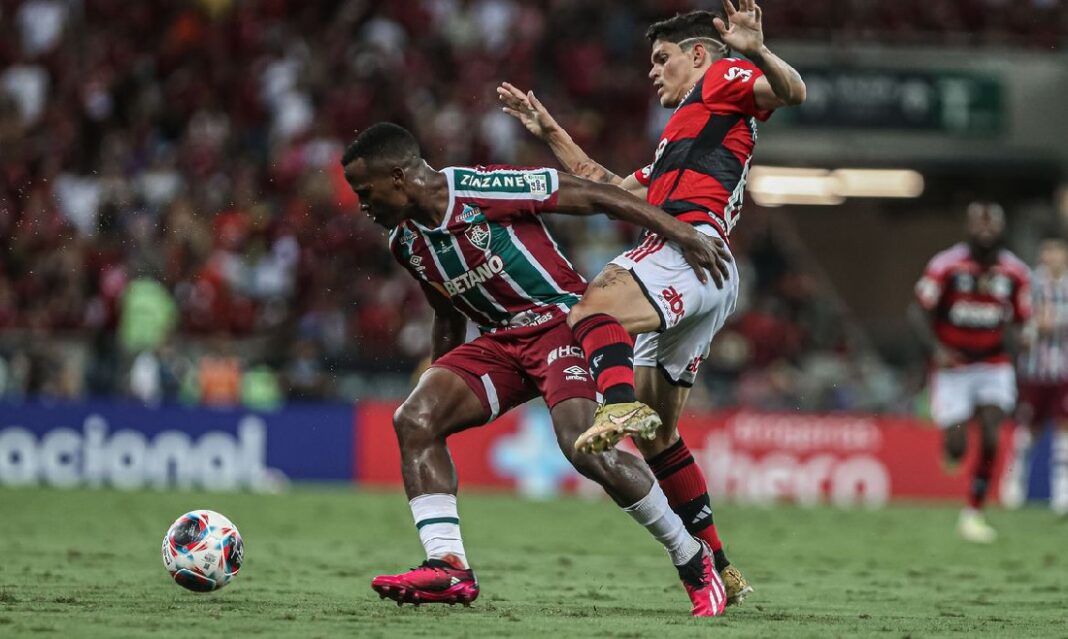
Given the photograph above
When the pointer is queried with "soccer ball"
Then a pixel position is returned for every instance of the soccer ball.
(202, 551)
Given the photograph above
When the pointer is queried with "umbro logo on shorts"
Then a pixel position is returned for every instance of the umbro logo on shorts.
(575, 373)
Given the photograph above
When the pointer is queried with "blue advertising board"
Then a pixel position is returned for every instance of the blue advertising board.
(131, 446)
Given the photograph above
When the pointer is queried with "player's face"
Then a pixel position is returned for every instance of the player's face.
(381, 192)
(985, 224)
(671, 73)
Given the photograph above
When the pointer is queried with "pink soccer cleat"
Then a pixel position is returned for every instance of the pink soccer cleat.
(703, 584)
(435, 581)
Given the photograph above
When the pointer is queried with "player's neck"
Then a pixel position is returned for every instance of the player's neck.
(432, 201)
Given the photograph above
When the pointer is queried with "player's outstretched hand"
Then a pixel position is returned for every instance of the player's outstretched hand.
(527, 109)
(706, 256)
(744, 32)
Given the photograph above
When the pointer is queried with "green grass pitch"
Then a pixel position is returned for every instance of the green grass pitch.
(87, 564)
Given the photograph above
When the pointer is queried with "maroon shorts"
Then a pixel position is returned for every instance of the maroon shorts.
(511, 367)
(1041, 402)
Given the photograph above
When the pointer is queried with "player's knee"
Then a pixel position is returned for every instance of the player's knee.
(579, 312)
(413, 424)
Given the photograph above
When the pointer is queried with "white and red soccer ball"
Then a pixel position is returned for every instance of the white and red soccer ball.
(202, 551)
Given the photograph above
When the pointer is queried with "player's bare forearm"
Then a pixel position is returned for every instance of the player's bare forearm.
(786, 86)
(450, 325)
(575, 161)
(583, 197)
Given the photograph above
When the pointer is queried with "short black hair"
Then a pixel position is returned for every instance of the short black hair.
(382, 141)
(695, 24)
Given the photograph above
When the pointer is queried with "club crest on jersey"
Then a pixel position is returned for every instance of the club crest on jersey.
(965, 283)
(479, 236)
(537, 182)
(469, 213)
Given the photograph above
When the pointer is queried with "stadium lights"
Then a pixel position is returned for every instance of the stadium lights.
(775, 186)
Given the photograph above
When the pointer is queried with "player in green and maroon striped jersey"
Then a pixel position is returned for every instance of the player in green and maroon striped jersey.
(474, 240)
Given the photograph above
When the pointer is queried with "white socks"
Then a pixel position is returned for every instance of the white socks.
(654, 513)
(1014, 483)
(1059, 473)
(439, 526)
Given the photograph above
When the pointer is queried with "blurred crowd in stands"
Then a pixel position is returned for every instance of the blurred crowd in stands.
(174, 224)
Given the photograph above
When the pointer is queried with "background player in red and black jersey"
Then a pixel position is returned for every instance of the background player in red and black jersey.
(971, 300)
(698, 175)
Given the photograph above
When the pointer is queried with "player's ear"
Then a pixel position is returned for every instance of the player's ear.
(698, 55)
(397, 173)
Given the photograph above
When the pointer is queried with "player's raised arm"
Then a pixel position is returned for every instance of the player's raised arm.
(781, 85)
(526, 108)
(578, 196)
(450, 325)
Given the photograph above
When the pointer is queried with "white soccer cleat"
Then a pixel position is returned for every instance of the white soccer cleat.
(972, 527)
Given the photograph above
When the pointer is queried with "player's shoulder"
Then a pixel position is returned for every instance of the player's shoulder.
(1013, 264)
(731, 69)
(945, 259)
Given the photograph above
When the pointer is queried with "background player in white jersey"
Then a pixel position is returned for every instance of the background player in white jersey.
(1043, 373)
(698, 175)
(971, 300)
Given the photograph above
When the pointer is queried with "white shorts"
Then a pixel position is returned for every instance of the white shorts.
(957, 392)
(691, 313)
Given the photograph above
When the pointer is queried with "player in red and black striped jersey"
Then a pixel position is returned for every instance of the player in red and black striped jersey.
(970, 300)
(698, 175)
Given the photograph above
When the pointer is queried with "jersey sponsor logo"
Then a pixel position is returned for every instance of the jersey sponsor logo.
(564, 351)
(575, 374)
(527, 318)
(976, 314)
(735, 73)
(522, 182)
(408, 238)
(479, 236)
(475, 276)
(997, 285)
(538, 183)
(417, 263)
(674, 301)
(469, 213)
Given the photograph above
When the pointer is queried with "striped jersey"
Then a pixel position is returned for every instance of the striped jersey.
(971, 304)
(699, 170)
(492, 256)
(1046, 361)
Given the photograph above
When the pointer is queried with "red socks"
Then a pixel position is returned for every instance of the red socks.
(984, 468)
(687, 493)
(610, 352)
